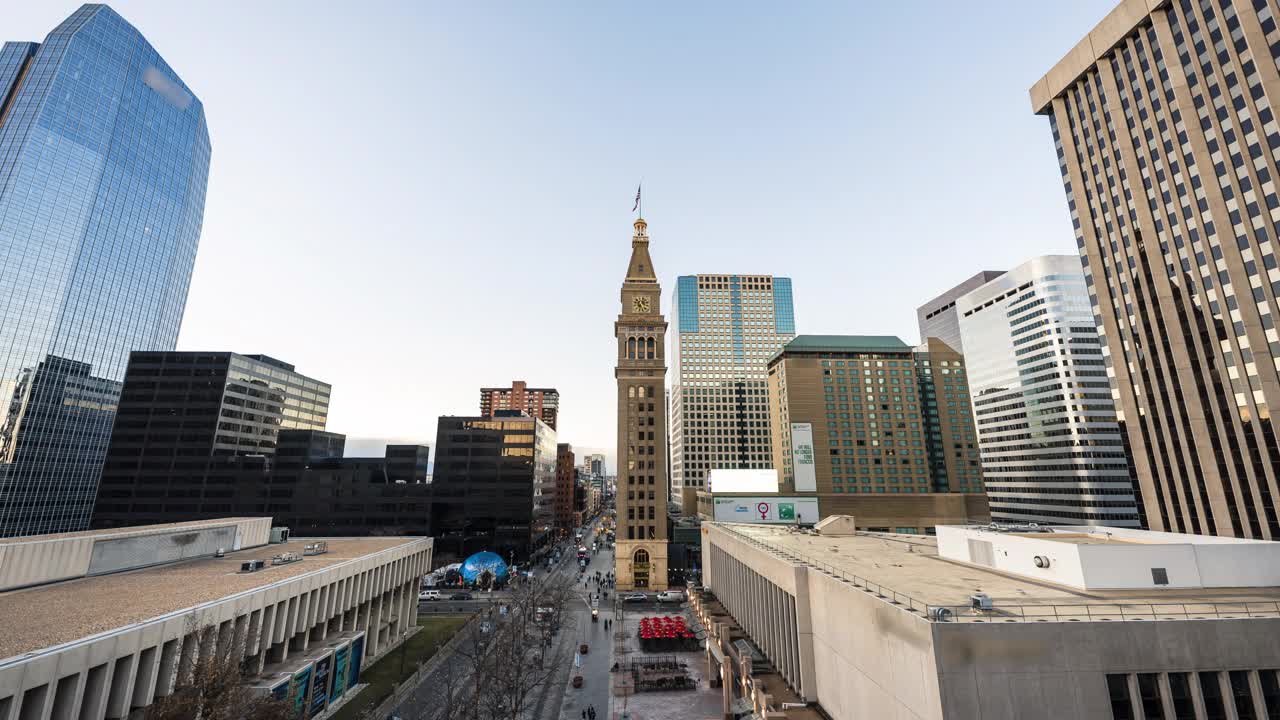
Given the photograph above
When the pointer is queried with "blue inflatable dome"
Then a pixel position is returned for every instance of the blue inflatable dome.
(476, 565)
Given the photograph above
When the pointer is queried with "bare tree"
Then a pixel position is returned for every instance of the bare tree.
(504, 669)
(209, 682)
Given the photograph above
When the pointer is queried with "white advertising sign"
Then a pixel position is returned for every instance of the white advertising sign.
(802, 457)
(767, 509)
(743, 481)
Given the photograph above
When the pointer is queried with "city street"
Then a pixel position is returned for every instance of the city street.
(428, 700)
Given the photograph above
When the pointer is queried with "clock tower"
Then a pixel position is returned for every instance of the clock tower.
(641, 551)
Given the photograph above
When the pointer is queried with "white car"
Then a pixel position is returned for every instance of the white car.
(429, 595)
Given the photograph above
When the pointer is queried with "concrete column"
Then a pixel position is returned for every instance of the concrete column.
(145, 679)
(726, 685)
(804, 636)
(1255, 689)
(121, 687)
(374, 636)
(37, 703)
(97, 684)
(303, 627)
(66, 693)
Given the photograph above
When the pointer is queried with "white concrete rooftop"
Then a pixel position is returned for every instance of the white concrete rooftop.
(908, 569)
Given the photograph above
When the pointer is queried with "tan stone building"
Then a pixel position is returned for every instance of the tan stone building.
(875, 429)
(1163, 118)
(641, 552)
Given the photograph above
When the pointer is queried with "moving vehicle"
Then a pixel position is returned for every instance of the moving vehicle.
(429, 595)
(635, 597)
(460, 596)
(671, 596)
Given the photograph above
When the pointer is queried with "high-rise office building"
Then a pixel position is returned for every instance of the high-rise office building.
(1163, 119)
(727, 328)
(857, 422)
(938, 318)
(593, 464)
(104, 158)
(641, 554)
(1052, 449)
(542, 403)
(493, 485)
(185, 422)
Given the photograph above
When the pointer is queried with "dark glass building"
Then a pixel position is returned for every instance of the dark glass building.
(104, 159)
(493, 486)
(190, 424)
(306, 486)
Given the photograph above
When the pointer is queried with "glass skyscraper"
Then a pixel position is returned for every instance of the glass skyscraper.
(727, 328)
(104, 160)
(1052, 447)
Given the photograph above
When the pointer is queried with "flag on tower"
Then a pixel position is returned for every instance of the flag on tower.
(633, 207)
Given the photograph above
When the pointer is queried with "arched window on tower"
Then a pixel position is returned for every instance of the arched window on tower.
(652, 345)
(631, 348)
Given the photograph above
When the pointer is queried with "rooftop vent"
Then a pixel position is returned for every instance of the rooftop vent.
(316, 548)
(252, 566)
(285, 558)
(980, 601)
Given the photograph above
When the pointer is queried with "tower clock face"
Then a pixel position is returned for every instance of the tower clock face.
(640, 304)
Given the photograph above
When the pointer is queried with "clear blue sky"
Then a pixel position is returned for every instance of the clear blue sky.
(411, 200)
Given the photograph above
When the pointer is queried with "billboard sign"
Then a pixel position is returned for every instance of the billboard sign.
(767, 509)
(742, 481)
(802, 457)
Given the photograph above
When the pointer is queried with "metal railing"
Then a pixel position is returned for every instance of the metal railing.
(1022, 612)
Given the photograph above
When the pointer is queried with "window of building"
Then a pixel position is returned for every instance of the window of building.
(1121, 705)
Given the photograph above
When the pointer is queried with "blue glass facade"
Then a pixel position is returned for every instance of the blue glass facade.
(784, 312)
(687, 304)
(104, 160)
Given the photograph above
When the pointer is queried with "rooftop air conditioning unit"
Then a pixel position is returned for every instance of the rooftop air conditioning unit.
(980, 601)
(940, 614)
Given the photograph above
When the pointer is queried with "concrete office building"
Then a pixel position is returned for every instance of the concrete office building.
(1052, 448)
(938, 317)
(593, 465)
(641, 552)
(1163, 122)
(99, 624)
(102, 188)
(542, 403)
(1082, 622)
(727, 328)
(855, 420)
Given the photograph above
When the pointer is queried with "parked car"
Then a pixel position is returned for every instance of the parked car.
(671, 596)
(429, 595)
(635, 597)
(460, 596)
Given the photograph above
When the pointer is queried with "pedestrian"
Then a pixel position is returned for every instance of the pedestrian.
(584, 715)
